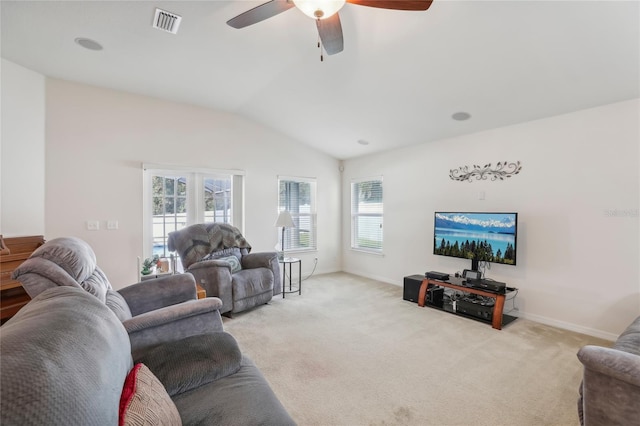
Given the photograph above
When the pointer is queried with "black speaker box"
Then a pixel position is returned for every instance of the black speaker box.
(412, 287)
(435, 296)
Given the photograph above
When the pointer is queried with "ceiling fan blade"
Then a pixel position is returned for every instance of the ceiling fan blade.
(394, 4)
(260, 13)
(330, 31)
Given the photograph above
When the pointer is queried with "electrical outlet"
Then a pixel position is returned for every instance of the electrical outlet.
(93, 225)
(112, 225)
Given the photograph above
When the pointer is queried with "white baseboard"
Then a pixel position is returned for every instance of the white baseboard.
(531, 317)
(375, 277)
(569, 326)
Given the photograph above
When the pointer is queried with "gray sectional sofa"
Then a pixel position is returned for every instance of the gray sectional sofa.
(610, 390)
(65, 356)
(153, 311)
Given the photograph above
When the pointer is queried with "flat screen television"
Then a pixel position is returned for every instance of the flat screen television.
(478, 236)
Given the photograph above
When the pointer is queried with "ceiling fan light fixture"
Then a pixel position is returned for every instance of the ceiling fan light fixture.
(319, 9)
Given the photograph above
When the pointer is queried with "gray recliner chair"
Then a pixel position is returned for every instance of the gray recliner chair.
(154, 311)
(219, 258)
(610, 388)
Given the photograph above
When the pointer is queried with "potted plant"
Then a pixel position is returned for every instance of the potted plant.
(149, 263)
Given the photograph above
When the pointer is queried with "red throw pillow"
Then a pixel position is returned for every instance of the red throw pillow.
(144, 401)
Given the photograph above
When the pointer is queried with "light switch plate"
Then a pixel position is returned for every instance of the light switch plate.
(93, 225)
(112, 225)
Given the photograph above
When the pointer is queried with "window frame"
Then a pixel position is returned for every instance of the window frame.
(355, 215)
(195, 204)
(297, 216)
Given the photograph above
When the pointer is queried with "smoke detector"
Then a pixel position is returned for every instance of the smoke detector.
(166, 21)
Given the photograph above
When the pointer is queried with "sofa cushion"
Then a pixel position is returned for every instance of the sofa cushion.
(244, 398)
(145, 401)
(65, 357)
(219, 254)
(252, 282)
(234, 262)
(66, 261)
(118, 305)
(189, 363)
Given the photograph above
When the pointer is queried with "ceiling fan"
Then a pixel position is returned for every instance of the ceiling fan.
(325, 13)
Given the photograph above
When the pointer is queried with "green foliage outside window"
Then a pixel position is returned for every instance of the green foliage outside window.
(169, 195)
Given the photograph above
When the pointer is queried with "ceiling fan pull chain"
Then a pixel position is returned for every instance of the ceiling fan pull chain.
(320, 47)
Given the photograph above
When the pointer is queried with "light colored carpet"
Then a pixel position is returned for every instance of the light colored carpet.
(350, 351)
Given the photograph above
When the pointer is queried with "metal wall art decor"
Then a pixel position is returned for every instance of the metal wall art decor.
(501, 171)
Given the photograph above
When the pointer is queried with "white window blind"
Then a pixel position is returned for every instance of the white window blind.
(298, 196)
(367, 214)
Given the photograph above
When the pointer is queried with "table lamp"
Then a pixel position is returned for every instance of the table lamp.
(285, 221)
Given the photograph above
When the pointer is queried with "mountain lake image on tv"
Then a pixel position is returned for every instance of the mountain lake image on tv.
(481, 237)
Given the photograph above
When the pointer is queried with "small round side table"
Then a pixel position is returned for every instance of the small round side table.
(290, 261)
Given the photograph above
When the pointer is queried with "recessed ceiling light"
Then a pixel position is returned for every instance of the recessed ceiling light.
(87, 43)
(461, 116)
(363, 142)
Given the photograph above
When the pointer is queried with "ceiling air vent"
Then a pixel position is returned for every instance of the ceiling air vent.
(166, 21)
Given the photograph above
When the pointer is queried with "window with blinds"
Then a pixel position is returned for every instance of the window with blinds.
(366, 214)
(298, 197)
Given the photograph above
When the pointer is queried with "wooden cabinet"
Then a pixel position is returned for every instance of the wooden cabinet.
(14, 251)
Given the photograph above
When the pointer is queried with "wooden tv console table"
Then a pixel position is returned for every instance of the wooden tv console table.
(456, 284)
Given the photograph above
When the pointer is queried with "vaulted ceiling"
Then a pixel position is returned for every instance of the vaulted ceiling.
(401, 76)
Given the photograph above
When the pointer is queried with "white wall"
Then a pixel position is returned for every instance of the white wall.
(97, 140)
(22, 150)
(577, 265)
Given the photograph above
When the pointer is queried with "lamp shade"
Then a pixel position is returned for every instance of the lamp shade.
(285, 220)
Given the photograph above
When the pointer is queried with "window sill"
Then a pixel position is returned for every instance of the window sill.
(371, 252)
(311, 250)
